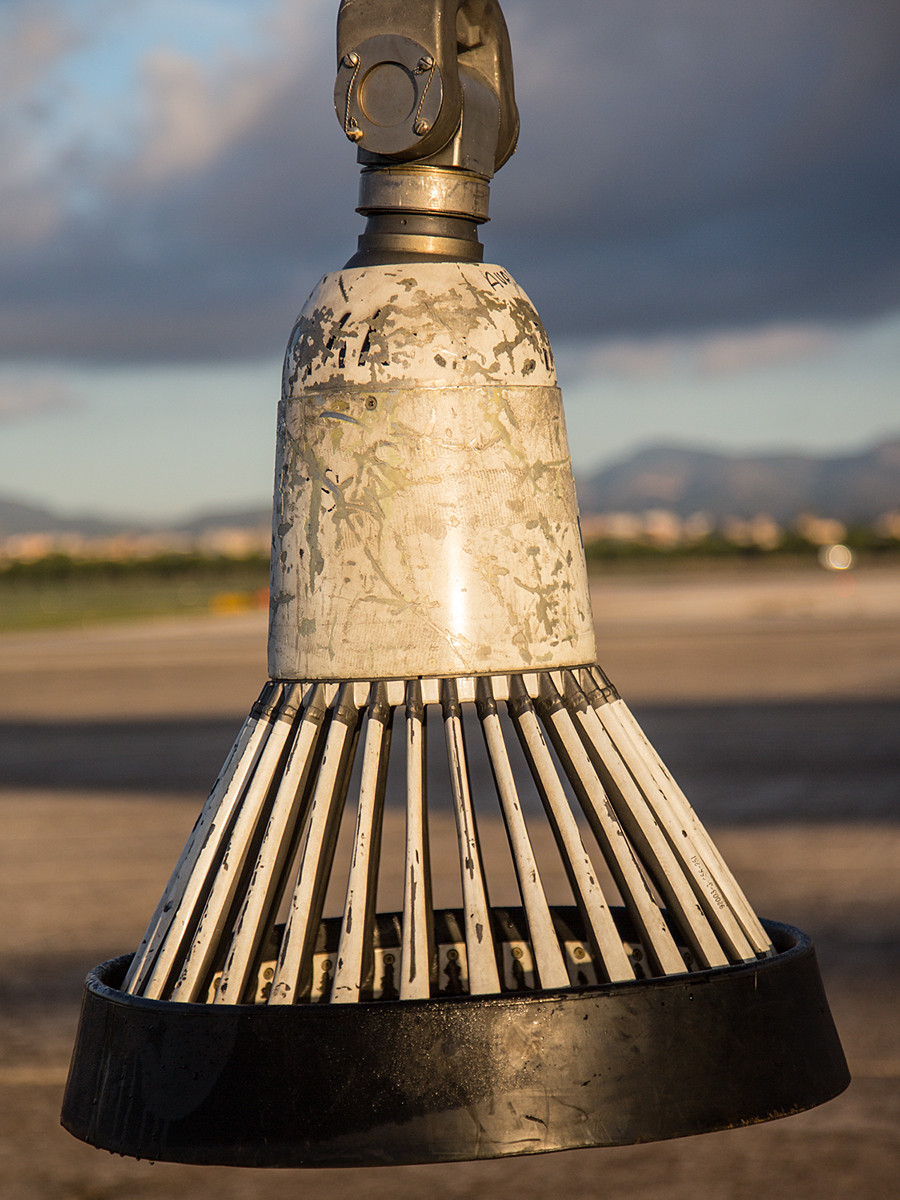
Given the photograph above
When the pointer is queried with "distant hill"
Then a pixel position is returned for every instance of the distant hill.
(243, 518)
(16, 518)
(850, 487)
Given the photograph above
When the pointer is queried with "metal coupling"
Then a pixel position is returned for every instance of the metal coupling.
(424, 90)
(443, 191)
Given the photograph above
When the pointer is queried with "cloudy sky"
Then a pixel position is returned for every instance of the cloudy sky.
(704, 206)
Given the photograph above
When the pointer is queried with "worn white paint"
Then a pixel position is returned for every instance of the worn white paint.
(425, 516)
(480, 950)
(668, 864)
(617, 851)
(261, 896)
(214, 935)
(576, 860)
(551, 967)
(294, 970)
(356, 941)
(416, 939)
(426, 551)
(220, 802)
(437, 324)
(717, 888)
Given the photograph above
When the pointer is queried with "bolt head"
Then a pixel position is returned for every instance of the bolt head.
(425, 63)
(351, 59)
(421, 128)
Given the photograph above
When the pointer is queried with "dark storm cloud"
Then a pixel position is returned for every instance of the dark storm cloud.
(683, 165)
(719, 163)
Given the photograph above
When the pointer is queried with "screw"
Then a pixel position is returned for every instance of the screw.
(371, 402)
(425, 63)
(354, 133)
(421, 128)
(351, 59)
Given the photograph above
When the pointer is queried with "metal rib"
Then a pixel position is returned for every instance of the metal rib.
(247, 788)
(484, 977)
(218, 908)
(666, 865)
(416, 950)
(742, 907)
(551, 966)
(279, 799)
(293, 972)
(716, 887)
(214, 816)
(648, 918)
(275, 852)
(355, 951)
(587, 891)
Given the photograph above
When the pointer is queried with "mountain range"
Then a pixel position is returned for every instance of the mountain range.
(854, 488)
(18, 518)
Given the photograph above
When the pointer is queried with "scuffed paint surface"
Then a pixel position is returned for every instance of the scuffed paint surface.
(425, 518)
(438, 323)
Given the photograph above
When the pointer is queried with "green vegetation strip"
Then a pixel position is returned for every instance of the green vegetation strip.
(864, 543)
(59, 592)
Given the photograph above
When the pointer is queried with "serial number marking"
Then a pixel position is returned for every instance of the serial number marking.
(710, 885)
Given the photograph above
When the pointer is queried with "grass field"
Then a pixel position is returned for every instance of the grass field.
(59, 593)
(79, 600)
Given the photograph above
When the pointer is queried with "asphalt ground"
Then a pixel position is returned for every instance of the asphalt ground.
(774, 698)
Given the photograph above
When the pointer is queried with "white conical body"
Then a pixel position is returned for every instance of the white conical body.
(427, 556)
(425, 520)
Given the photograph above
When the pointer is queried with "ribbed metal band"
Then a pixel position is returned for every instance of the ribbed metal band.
(448, 191)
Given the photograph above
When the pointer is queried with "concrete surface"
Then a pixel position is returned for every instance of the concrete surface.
(775, 698)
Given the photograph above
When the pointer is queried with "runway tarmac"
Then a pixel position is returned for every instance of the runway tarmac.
(774, 699)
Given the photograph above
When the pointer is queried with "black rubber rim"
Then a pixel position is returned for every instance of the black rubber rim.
(453, 1079)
